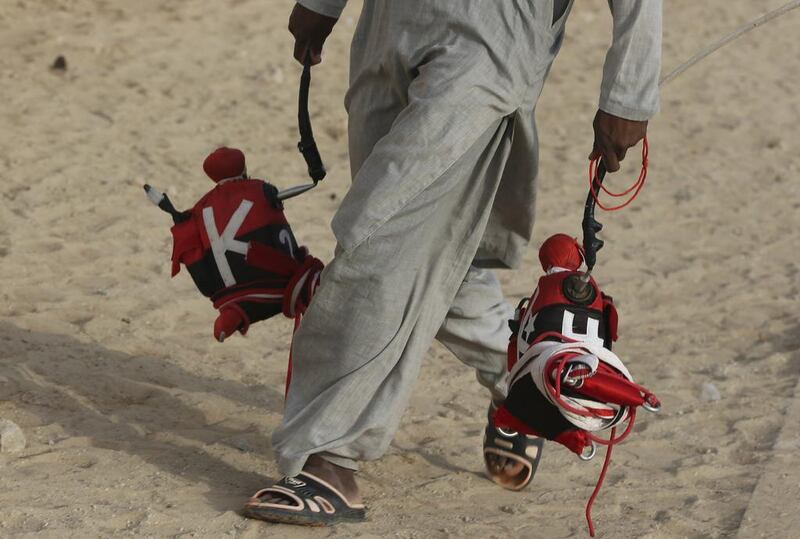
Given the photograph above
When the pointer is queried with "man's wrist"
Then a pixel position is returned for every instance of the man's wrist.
(628, 113)
(329, 8)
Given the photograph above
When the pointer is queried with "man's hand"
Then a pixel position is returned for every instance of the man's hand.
(310, 30)
(613, 136)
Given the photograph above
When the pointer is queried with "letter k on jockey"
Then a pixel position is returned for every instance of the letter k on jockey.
(226, 242)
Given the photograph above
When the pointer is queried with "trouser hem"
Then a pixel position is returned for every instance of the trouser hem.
(342, 462)
(289, 467)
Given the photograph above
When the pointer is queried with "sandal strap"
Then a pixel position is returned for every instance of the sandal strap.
(277, 489)
(306, 491)
(327, 486)
(523, 448)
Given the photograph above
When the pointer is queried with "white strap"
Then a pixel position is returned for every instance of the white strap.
(534, 362)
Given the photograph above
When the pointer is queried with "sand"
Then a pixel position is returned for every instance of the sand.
(139, 424)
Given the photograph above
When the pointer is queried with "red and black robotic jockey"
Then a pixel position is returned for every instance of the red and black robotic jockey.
(566, 307)
(239, 248)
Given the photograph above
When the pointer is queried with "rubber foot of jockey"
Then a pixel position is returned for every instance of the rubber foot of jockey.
(228, 322)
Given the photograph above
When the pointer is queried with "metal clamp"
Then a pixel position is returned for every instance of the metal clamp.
(654, 407)
(590, 455)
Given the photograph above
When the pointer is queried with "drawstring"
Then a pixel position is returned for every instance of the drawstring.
(594, 181)
(297, 320)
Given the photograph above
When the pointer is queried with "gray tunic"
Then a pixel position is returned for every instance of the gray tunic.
(505, 54)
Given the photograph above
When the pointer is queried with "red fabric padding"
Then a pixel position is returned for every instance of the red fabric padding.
(187, 246)
(246, 294)
(574, 440)
(310, 268)
(512, 352)
(504, 420)
(611, 316)
(270, 259)
(231, 318)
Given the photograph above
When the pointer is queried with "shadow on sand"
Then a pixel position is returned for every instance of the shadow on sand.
(143, 406)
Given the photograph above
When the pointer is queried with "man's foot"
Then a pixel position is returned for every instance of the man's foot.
(342, 479)
(511, 458)
(321, 494)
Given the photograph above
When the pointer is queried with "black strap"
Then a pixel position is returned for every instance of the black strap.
(307, 145)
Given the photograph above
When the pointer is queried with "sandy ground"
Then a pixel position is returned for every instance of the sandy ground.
(139, 424)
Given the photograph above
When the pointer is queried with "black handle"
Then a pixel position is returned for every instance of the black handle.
(307, 145)
(591, 243)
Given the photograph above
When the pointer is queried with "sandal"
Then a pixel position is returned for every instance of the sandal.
(314, 503)
(522, 448)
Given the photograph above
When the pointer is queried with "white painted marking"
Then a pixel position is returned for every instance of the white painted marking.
(592, 334)
(221, 244)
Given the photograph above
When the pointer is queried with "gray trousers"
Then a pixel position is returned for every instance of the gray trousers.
(359, 348)
(432, 137)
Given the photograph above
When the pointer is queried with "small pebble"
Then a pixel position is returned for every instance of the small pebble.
(243, 446)
(59, 64)
(709, 392)
(12, 439)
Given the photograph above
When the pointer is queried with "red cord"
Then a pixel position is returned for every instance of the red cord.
(599, 484)
(554, 389)
(311, 267)
(636, 187)
(297, 320)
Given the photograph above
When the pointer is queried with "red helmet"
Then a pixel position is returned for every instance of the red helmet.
(225, 164)
(562, 251)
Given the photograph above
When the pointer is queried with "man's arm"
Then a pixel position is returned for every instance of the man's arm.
(311, 22)
(629, 92)
(633, 63)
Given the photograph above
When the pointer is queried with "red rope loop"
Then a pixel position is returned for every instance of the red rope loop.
(635, 188)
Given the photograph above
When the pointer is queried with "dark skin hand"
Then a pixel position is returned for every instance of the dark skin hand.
(613, 136)
(310, 30)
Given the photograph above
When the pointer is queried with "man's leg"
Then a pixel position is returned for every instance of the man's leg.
(476, 328)
(427, 163)
(359, 348)
(476, 331)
